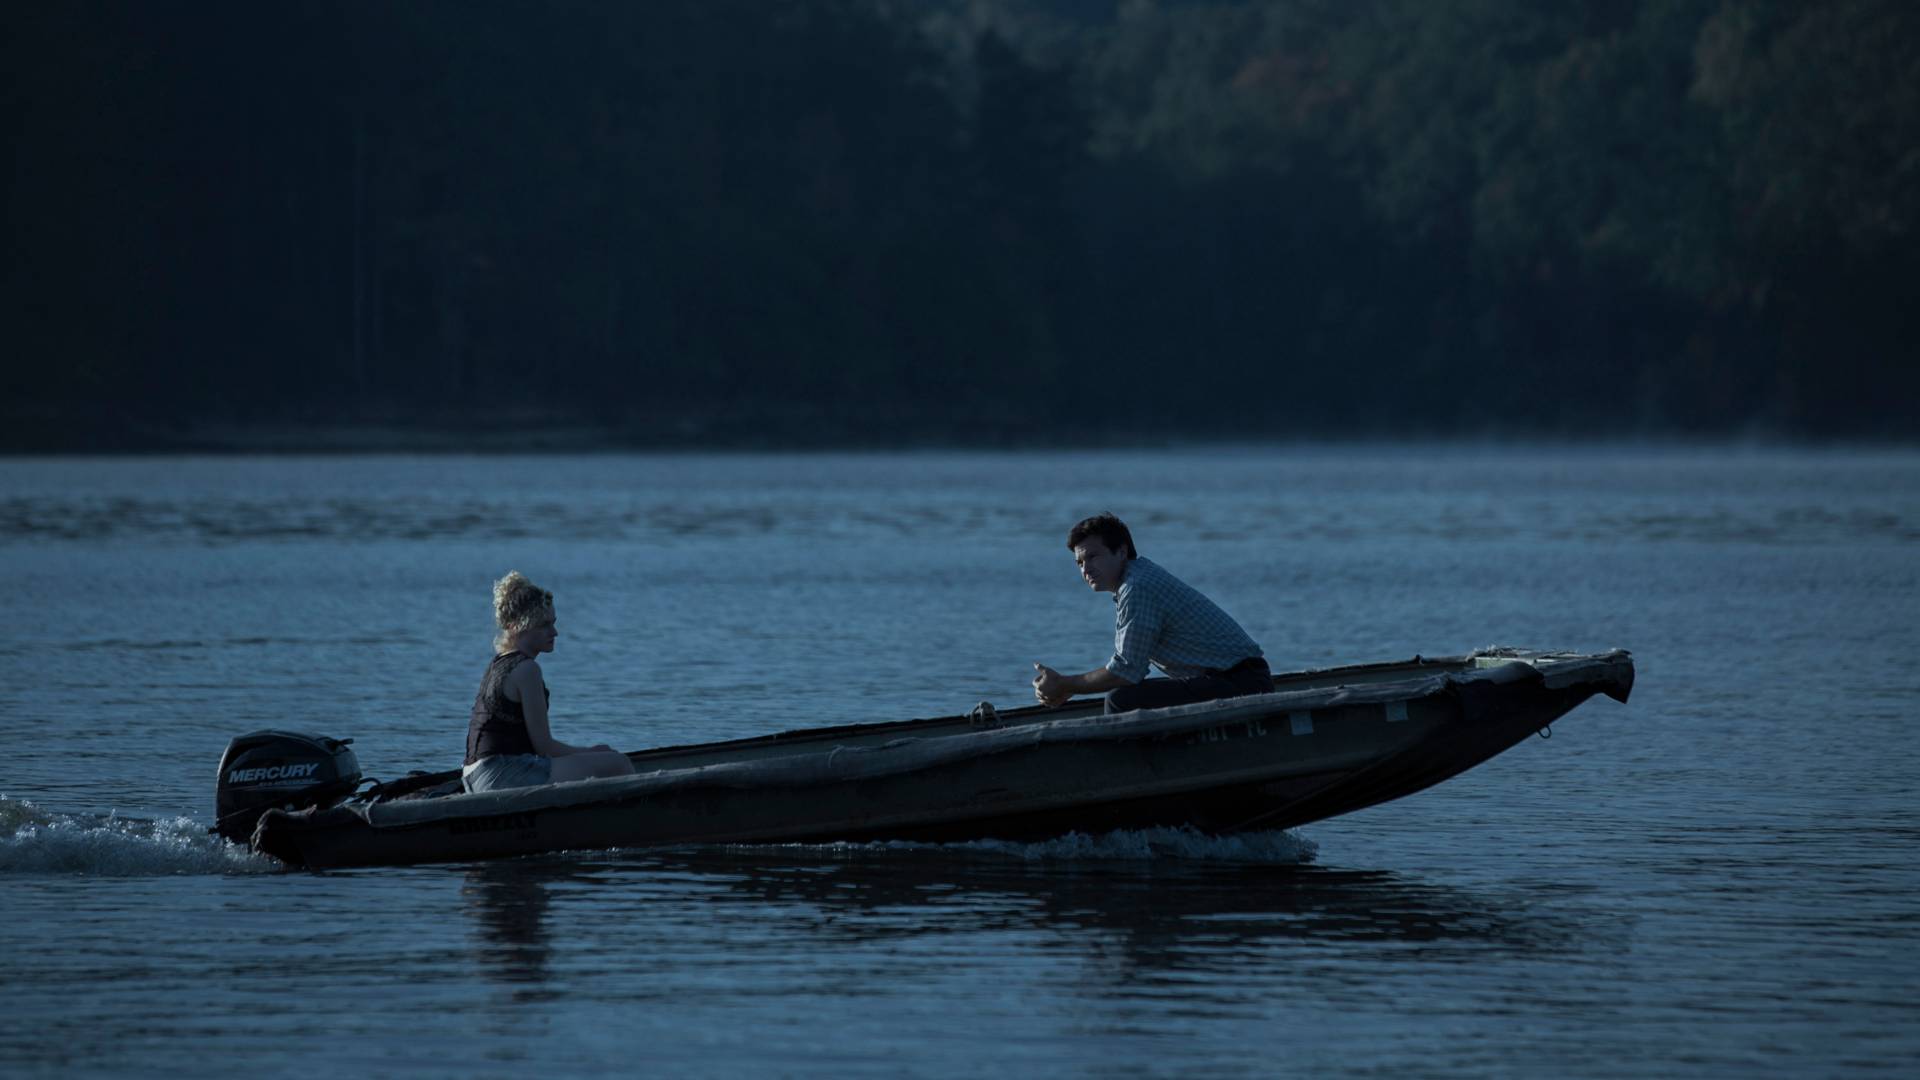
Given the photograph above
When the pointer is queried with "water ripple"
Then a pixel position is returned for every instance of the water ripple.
(35, 842)
(606, 516)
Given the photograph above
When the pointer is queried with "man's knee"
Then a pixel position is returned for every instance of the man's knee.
(1164, 693)
(1146, 694)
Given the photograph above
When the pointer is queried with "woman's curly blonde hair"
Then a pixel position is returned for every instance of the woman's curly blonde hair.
(518, 604)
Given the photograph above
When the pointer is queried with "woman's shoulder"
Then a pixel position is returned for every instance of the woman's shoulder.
(515, 672)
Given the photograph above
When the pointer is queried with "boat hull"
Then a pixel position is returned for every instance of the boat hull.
(1315, 748)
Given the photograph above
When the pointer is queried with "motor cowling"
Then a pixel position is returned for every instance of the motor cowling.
(266, 770)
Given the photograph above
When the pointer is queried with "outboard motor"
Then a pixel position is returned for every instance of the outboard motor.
(279, 769)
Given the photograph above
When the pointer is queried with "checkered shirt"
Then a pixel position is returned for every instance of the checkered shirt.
(1159, 618)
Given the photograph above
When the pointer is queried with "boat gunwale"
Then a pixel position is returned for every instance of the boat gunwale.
(410, 787)
(806, 768)
(1021, 715)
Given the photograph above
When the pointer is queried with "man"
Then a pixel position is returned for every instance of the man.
(1157, 618)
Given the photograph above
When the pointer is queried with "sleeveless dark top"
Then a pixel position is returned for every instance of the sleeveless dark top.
(499, 726)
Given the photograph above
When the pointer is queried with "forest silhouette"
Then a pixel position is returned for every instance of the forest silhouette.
(862, 222)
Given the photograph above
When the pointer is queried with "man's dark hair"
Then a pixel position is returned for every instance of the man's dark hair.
(1110, 530)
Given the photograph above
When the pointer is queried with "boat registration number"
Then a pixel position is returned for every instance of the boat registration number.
(1249, 729)
(490, 823)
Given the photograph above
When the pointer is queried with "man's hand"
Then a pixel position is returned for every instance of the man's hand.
(1054, 689)
(1050, 687)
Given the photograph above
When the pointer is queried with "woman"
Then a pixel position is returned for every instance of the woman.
(508, 744)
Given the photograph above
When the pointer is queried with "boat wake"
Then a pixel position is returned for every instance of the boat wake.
(33, 841)
(1271, 848)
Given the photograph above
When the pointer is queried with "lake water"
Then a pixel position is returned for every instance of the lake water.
(1719, 879)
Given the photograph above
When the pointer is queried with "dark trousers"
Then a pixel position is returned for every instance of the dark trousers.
(1250, 676)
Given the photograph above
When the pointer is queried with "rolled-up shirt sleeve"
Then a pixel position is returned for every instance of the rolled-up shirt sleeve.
(1136, 626)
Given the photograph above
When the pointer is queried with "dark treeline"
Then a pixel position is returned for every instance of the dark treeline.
(831, 221)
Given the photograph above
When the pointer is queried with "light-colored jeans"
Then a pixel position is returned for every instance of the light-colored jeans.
(506, 771)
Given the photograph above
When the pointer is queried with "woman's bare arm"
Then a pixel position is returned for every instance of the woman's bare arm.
(526, 686)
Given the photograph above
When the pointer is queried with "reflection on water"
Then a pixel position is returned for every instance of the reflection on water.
(509, 901)
(1134, 921)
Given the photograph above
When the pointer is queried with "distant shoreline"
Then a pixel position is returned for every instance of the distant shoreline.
(551, 435)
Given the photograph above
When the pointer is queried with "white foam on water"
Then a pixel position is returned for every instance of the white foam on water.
(35, 842)
(1272, 848)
